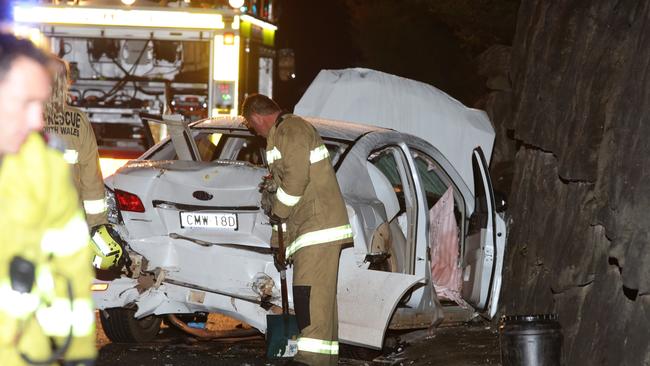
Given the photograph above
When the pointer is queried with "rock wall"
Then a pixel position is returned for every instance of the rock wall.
(494, 65)
(579, 240)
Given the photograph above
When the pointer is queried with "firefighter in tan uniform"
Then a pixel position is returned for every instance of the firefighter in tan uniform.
(46, 309)
(80, 151)
(309, 201)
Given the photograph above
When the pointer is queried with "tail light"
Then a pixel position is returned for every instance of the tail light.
(128, 201)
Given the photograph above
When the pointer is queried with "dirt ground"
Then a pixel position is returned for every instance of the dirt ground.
(455, 343)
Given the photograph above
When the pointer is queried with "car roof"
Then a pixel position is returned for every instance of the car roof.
(326, 128)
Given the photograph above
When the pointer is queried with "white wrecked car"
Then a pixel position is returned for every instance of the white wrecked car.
(189, 209)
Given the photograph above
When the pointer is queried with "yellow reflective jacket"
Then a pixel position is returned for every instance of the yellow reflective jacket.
(73, 127)
(41, 221)
(308, 195)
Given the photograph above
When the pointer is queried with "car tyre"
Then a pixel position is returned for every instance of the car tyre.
(120, 326)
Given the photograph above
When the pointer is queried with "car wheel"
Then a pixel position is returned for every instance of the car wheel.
(121, 327)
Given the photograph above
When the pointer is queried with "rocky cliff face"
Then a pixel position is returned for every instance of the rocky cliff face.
(579, 241)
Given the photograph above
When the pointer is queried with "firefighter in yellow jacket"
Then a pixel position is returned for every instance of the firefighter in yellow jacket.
(80, 151)
(46, 310)
(308, 199)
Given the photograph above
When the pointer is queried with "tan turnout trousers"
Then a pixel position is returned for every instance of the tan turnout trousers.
(315, 275)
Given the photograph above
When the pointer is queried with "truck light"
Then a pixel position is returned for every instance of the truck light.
(236, 3)
(117, 17)
(31, 33)
(226, 59)
(257, 22)
(228, 39)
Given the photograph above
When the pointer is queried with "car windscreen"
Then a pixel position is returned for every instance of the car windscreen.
(234, 145)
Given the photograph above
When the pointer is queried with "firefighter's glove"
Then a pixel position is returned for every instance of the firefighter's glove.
(110, 248)
(268, 188)
(267, 203)
(268, 184)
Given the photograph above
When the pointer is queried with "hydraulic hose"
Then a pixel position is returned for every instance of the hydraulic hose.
(225, 335)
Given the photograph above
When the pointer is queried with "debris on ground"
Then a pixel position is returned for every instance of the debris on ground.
(474, 343)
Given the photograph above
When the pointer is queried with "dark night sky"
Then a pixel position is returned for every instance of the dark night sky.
(320, 35)
(434, 41)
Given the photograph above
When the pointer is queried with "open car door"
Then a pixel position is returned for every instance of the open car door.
(484, 248)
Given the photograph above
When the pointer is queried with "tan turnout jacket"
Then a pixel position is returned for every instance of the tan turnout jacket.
(73, 127)
(308, 198)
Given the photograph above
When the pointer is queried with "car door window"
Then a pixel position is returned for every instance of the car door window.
(434, 181)
(392, 162)
(216, 144)
(336, 150)
(220, 146)
(385, 161)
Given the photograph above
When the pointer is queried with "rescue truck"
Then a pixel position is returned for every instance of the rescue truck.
(129, 62)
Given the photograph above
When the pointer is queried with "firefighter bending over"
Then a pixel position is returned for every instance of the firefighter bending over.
(308, 199)
(46, 310)
(80, 151)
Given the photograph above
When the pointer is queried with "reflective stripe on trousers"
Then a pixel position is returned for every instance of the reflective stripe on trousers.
(319, 237)
(318, 346)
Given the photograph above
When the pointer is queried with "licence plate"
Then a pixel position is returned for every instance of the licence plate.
(227, 221)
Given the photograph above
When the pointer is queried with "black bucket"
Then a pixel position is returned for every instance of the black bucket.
(530, 340)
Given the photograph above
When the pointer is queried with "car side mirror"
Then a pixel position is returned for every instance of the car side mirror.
(500, 202)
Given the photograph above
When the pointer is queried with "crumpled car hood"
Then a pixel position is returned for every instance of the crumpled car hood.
(375, 98)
